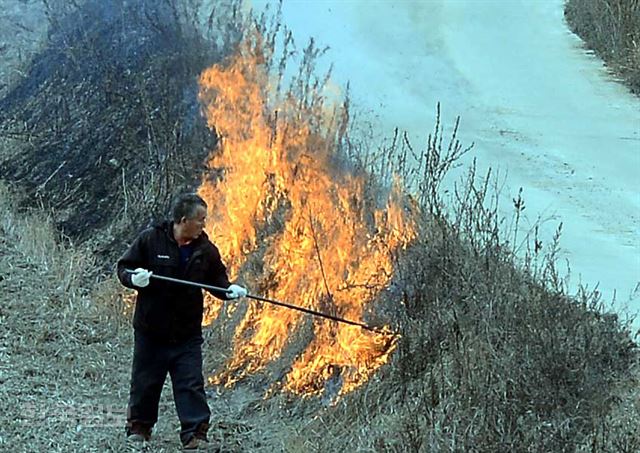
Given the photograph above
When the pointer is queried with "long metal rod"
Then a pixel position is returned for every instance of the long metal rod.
(271, 301)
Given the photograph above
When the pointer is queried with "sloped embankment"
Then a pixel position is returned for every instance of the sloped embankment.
(612, 29)
(106, 124)
(493, 355)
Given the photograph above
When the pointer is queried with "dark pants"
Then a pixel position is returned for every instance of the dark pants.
(151, 363)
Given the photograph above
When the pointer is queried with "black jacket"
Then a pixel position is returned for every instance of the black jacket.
(168, 311)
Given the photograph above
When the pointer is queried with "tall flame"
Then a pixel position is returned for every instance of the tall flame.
(280, 198)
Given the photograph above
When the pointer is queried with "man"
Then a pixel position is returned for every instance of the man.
(168, 317)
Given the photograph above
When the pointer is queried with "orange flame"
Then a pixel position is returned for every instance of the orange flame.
(297, 227)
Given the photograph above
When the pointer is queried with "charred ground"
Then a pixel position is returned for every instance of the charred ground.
(105, 123)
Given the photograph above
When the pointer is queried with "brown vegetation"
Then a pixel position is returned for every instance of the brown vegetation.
(494, 354)
(612, 29)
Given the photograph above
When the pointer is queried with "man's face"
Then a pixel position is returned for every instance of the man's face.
(193, 227)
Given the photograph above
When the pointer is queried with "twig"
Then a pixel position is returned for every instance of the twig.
(315, 243)
(124, 191)
(41, 186)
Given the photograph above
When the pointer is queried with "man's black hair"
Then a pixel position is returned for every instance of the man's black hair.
(185, 205)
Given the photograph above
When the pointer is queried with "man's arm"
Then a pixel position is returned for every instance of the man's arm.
(218, 275)
(133, 258)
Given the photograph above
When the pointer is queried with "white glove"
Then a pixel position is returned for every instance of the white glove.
(236, 291)
(140, 277)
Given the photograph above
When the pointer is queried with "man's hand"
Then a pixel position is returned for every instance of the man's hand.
(140, 277)
(235, 291)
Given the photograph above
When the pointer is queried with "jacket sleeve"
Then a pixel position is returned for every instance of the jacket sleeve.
(218, 274)
(133, 258)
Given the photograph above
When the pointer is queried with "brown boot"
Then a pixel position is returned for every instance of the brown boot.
(137, 442)
(196, 443)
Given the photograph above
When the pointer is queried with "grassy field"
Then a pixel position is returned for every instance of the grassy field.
(493, 355)
(489, 361)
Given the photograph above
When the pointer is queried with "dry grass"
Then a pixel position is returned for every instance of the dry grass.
(66, 353)
(612, 29)
(62, 349)
(22, 29)
(495, 356)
